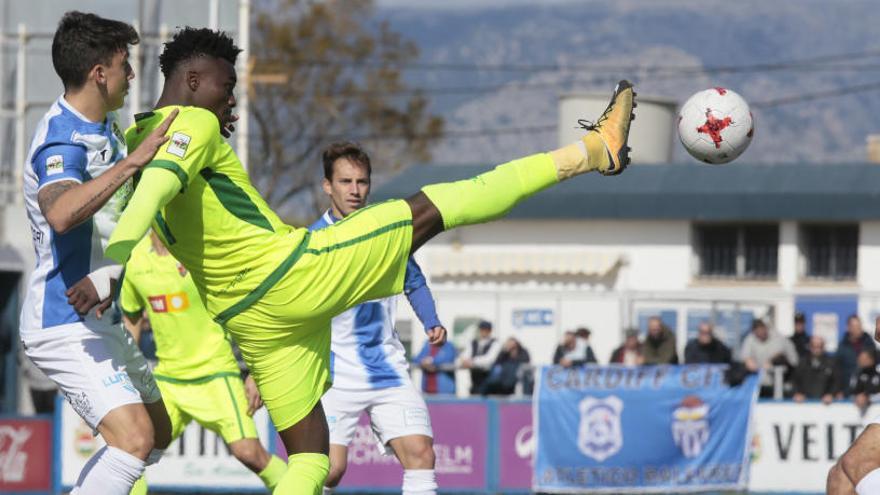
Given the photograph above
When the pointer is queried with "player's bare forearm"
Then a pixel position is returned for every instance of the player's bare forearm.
(133, 325)
(66, 204)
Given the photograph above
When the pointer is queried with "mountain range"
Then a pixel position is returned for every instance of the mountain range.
(492, 68)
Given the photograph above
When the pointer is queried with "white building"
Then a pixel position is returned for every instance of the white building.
(686, 242)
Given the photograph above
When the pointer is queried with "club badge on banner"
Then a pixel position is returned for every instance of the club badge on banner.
(641, 429)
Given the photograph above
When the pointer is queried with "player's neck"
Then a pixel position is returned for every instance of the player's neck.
(158, 247)
(89, 105)
(335, 213)
(170, 97)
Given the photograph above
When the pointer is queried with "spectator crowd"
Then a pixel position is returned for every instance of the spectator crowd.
(798, 367)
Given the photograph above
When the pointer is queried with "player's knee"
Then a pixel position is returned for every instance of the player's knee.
(139, 442)
(835, 474)
(251, 454)
(851, 464)
(334, 476)
(421, 455)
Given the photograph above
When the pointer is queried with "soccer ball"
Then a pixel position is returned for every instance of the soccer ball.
(715, 125)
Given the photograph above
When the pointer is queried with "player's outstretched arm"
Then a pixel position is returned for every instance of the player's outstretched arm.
(66, 204)
(156, 189)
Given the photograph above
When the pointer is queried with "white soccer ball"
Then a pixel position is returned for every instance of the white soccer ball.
(715, 125)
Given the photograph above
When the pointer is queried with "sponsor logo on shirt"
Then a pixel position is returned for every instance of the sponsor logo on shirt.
(54, 165)
(169, 303)
(178, 144)
(120, 379)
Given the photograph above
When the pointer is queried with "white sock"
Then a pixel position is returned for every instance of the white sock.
(419, 482)
(327, 491)
(154, 456)
(110, 471)
(870, 484)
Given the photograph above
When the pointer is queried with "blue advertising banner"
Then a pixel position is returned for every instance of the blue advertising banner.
(641, 429)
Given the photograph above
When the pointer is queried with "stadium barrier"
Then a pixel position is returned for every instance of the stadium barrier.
(482, 445)
(27, 455)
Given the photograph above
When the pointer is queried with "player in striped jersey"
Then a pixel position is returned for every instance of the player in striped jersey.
(77, 179)
(368, 363)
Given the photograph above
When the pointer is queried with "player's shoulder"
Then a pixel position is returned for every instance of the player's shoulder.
(196, 119)
(59, 128)
(325, 220)
(138, 262)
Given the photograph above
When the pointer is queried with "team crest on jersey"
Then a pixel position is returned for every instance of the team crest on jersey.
(690, 426)
(178, 144)
(600, 435)
(54, 165)
(169, 303)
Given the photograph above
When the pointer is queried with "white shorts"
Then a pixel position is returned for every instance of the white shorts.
(394, 412)
(97, 366)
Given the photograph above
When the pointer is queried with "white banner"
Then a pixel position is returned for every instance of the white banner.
(198, 459)
(794, 445)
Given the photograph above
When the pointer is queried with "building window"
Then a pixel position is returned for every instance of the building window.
(830, 251)
(737, 251)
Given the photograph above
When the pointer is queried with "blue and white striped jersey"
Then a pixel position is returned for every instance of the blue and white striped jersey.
(365, 350)
(68, 147)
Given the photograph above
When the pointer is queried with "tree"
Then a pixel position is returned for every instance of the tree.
(324, 72)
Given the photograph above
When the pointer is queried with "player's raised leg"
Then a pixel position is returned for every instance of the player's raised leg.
(858, 470)
(491, 195)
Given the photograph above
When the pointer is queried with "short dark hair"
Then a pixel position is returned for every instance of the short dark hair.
(344, 149)
(757, 322)
(83, 41)
(853, 317)
(190, 42)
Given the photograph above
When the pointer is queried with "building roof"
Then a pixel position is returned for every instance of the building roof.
(736, 191)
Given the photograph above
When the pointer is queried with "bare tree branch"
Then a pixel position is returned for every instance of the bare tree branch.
(295, 120)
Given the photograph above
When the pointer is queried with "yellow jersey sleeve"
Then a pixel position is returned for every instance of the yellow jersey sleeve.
(130, 301)
(194, 139)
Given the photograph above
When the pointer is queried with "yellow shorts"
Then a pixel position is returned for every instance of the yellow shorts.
(216, 402)
(283, 326)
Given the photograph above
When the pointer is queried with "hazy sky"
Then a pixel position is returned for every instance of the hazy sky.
(462, 4)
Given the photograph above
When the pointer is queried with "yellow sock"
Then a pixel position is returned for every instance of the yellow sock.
(139, 487)
(273, 472)
(305, 475)
(492, 194)
(584, 156)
